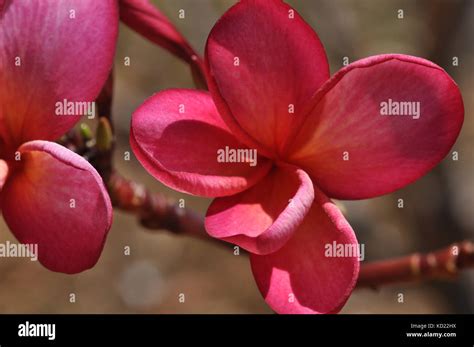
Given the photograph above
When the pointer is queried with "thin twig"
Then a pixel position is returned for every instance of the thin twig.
(154, 210)
(445, 263)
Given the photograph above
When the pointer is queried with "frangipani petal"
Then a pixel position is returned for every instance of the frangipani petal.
(265, 62)
(354, 151)
(308, 275)
(263, 218)
(147, 20)
(54, 198)
(178, 136)
(51, 51)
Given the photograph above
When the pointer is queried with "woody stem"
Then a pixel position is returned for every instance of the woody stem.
(445, 263)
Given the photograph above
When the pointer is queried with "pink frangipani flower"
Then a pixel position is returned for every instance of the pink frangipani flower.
(52, 51)
(317, 138)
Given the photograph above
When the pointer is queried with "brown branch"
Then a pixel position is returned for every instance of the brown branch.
(154, 211)
(445, 263)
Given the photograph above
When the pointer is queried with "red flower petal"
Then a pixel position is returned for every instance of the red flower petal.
(176, 135)
(281, 63)
(263, 218)
(47, 56)
(57, 200)
(300, 277)
(353, 151)
(147, 20)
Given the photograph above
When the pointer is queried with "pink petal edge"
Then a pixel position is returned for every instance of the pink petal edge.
(263, 218)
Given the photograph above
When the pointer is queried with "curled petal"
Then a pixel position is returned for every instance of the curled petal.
(356, 146)
(263, 218)
(265, 62)
(54, 198)
(179, 137)
(310, 274)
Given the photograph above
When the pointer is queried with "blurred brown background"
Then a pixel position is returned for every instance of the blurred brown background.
(438, 208)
